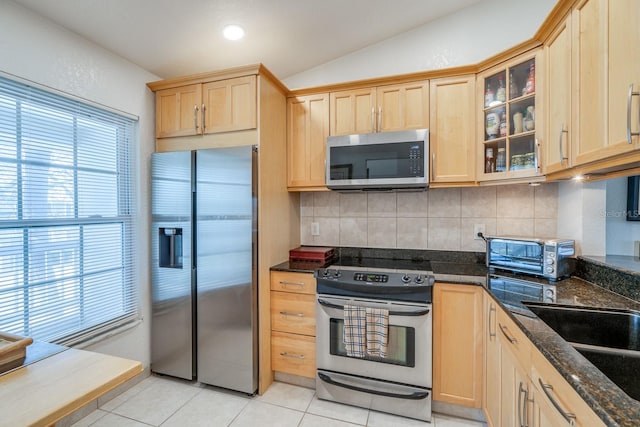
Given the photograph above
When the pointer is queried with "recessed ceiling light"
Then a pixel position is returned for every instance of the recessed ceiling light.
(233, 32)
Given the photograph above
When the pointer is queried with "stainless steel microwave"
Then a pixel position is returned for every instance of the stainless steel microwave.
(548, 258)
(385, 160)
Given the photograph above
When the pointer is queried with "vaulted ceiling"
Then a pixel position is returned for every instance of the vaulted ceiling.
(177, 37)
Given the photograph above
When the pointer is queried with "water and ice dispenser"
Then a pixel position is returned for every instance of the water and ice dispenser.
(170, 247)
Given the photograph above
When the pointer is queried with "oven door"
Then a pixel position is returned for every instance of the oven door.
(408, 359)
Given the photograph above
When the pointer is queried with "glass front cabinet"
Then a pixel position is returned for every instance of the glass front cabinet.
(510, 103)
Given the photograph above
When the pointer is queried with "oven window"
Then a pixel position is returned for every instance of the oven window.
(401, 346)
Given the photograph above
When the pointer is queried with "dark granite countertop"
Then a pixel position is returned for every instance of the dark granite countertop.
(286, 266)
(606, 399)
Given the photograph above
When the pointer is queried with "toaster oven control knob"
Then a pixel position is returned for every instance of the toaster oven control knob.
(549, 294)
(549, 270)
(337, 273)
(419, 279)
(405, 278)
(325, 273)
(549, 260)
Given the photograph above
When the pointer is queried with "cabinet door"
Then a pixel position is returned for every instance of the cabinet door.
(452, 132)
(178, 111)
(558, 99)
(543, 414)
(514, 389)
(307, 131)
(589, 102)
(511, 119)
(457, 344)
(403, 106)
(352, 111)
(559, 397)
(230, 105)
(492, 396)
(624, 70)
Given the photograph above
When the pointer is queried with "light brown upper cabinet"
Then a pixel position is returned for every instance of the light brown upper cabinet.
(606, 73)
(307, 131)
(203, 108)
(402, 106)
(452, 132)
(557, 52)
(379, 109)
(510, 123)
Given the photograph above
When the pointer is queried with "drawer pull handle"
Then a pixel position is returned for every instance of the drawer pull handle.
(287, 283)
(287, 313)
(629, 132)
(511, 339)
(562, 132)
(373, 119)
(204, 125)
(292, 356)
(492, 309)
(548, 388)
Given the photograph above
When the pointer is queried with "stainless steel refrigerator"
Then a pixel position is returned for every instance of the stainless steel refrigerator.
(204, 268)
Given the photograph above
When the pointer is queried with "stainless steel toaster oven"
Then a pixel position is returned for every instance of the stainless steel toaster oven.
(550, 258)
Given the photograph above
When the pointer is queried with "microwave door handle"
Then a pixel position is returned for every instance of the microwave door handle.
(422, 312)
(418, 395)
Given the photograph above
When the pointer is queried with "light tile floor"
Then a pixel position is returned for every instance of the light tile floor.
(166, 402)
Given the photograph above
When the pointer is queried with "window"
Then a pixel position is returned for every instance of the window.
(66, 216)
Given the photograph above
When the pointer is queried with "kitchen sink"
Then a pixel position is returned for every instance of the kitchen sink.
(609, 339)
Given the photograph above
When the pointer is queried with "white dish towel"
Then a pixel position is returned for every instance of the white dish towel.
(355, 330)
(377, 331)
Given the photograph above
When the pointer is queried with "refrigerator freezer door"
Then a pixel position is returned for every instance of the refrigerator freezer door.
(171, 269)
(225, 265)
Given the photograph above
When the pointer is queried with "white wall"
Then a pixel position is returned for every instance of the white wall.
(465, 37)
(621, 233)
(38, 50)
(581, 208)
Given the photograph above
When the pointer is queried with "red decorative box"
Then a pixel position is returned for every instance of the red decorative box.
(311, 257)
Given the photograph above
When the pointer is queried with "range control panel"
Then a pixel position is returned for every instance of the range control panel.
(416, 286)
(378, 278)
(370, 277)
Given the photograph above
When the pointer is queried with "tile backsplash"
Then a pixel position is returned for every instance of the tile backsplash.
(440, 218)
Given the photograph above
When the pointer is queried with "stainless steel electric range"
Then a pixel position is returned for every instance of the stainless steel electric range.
(400, 381)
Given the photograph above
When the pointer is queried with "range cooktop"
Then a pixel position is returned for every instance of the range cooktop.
(380, 264)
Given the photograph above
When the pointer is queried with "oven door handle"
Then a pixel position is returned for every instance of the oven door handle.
(422, 312)
(418, 395)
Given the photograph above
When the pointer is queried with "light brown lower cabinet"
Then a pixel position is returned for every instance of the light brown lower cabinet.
(457, 344)
(521, 387)
(293, 354)
(293, 323)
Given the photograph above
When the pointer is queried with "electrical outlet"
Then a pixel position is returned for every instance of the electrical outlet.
(478, 228)
(315, 228)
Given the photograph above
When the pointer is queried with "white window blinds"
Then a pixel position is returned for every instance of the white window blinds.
(66, 223)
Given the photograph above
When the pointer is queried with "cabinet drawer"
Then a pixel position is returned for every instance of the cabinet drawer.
(559, 394)
(514, 339)
(303, 283)
(291, 312)
(293, 354)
